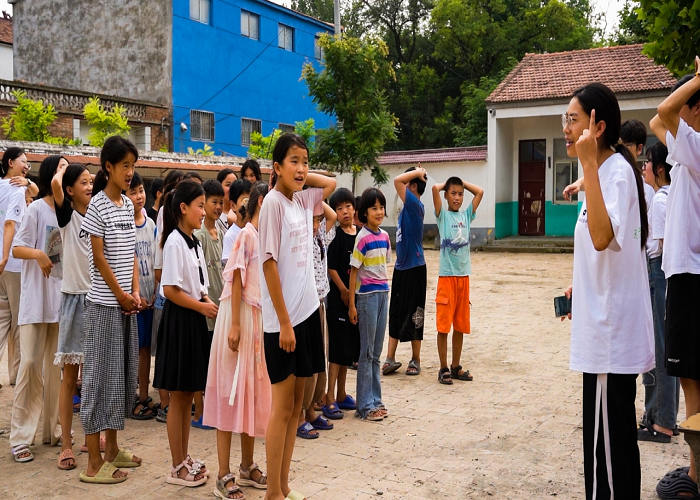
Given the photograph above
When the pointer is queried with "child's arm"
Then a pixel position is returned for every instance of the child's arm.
(477, 192)
(669, 110)
(437, 199)
(135, 290)
(344, 292)
(321, 181)
(27, 253)
(657, 126)
(352, 311)
(288, 340)
(401, 181)
(127, 301)
(7, 236)
(175, 295)
(57, 185)
(330, 216)
(234, 334)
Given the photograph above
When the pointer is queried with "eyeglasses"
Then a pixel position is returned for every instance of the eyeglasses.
(566, 120)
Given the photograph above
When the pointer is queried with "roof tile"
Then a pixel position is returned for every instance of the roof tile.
(476, 153)
(6, 31)
(551, 76)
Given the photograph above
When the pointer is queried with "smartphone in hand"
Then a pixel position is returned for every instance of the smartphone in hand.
(562, 306)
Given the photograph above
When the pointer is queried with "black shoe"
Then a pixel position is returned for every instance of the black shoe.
(649, 434)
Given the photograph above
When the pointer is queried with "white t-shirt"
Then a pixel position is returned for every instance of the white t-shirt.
(222, 222)
(76, 250)
(648, 194)
(40, 299)
(145, 252)
(158, 264)
(115, 225)
(12, 207)
(612, 328)
(657, 222)
(229, 240)
(285, 228)
(184, 265)
(682, 236)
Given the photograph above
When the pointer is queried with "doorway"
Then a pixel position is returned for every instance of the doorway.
(531, 185)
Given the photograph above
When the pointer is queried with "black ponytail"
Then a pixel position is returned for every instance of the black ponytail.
(599, 97)
(9, 154)
(186, 191)
(260, 189)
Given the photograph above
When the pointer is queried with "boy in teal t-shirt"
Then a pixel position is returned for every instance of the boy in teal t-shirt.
(452, 298)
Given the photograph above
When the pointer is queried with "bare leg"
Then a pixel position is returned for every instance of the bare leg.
(457, 341)
(691, 392)
(223, 451)
(178, 418)
(95, 461)
(342, 377)
(144, 372)
(198, 405)
(283, 407)
(65, 404)
(291, 436)
(247, 451)
(333, 370)
(393, 344)
(442, 349)
(164, 398)
(415, 350)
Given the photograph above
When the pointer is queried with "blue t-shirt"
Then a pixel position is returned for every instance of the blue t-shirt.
(454, 227)
(409, 234)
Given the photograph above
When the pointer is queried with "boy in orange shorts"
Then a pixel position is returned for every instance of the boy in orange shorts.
(452, 297)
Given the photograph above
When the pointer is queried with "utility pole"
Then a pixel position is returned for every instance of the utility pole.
(336, 16)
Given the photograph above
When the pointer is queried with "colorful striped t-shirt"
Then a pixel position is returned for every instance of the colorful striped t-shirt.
(371, 254)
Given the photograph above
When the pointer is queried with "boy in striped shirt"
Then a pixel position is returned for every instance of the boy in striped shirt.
(369, 288)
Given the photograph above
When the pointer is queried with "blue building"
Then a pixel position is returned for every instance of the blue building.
(236, 69)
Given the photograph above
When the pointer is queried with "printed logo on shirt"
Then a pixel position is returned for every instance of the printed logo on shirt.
(583, 218)
(460, 240)
(637, 233)
(671, 360)
(84, 235)
(16, 211)
(53, 249)
(398, 234)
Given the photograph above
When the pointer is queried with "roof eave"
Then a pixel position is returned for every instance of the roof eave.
(621, 96)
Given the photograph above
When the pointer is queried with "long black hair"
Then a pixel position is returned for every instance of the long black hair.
(47, 170)
(657, 154)
(599, 97)
(184, 192)
(223, 173)
(254, 166)
(114, 150)
(9, 154)
(259, 189)
(70, 177)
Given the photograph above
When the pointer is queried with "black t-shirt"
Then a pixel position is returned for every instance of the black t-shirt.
(152, 213)
(339, 253)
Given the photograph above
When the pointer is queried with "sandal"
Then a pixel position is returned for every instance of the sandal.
(295, 495)
(22, 453)
(348, 403)
(124, 459)
(246, 477)
(103, 443)
(204, 471)
(413, 367)
(145, 413)
(321, 424)
(444, 376)
(390, 366)
(353, 366)
(674, 483)
(76, 404)
(190, 480)
(199, 424)
(162, 415)
(222, 491)
(374, 415)
(332, 411)
(104, 476)
(466, 376)
(304, 431)
(64, 457)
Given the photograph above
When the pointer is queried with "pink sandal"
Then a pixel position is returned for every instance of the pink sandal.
(190, 480)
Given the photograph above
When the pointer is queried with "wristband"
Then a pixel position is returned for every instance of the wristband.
(123, 298)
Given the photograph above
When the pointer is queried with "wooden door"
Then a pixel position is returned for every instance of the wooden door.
(531, 182)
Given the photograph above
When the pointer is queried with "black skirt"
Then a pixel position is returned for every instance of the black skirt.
(182, 356)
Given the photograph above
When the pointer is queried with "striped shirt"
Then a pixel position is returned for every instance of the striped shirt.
(115, 225)
(370, 256)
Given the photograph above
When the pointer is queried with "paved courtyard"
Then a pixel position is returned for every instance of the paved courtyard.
(512, 433)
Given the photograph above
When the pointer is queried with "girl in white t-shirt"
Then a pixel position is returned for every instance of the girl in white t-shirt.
(291, 321)
(72, 190)
(611, 334)
(38, 245)
(110, 347)
(183, 345)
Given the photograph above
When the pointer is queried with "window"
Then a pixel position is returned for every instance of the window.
(201, 125)
(285, 37)
(250, 25)
(565, 172)
(318, 50)
(286, 128)
(247, 128)
(200, 10)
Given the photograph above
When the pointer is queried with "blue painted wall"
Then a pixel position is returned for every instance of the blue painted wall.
(207, 57)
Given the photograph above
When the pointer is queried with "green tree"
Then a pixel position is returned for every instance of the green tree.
(205, 151)
(103, 123)
(630, 29)
(352, 87)
(674, 32)
(320, 9)
(30, 121)
(261, 147)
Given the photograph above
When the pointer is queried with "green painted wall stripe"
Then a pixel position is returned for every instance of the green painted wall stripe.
(506, 219)
(559, 220)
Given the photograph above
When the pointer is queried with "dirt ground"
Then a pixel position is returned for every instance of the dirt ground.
(512, 433)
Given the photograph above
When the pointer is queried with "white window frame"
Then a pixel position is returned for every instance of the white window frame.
(202, 125)
(200, 11)
(289, 128)
(248, 126)
(247, 19)
(318, 50)
(285, 37)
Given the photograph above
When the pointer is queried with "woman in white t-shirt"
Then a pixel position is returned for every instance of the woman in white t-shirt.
(13, 187)
(661, 390)
(226, 177)
(38, 245)
(238, 199)
(611, 334)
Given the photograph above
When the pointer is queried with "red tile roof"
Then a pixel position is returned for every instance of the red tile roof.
(476, 153)
(6, 31)
(557, 75)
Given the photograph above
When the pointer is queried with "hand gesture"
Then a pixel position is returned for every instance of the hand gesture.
(140, 303)
(209, 309)
(45, 264)
(19, 180)
(587, 146)
(130, 305)
(567, 293)
(234, 337)
(288, 341)
(697, 64)
(352, 314)
(3, 263)
(572, 189)
(423, 173)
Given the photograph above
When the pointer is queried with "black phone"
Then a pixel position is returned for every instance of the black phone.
(562, 306)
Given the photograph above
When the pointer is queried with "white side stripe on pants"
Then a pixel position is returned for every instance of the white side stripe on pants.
(601, 396)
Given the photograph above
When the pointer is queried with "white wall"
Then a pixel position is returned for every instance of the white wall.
(6, 61)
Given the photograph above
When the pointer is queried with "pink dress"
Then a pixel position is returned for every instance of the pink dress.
(238, 392)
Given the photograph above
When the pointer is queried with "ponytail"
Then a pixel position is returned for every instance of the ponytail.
(260, 189)
(100, 182)
(643, 220)
(185, 192)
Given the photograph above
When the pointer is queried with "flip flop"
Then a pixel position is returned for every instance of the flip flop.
(103, 476)
(199, 425)
(390, 366)
(66, 454)
(348, 403)
(295, 495)
(332, 411)
(321, 424)
(304, 431)
(676, 482)
(124, 459)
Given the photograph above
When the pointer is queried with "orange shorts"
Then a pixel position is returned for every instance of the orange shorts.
(452, 301)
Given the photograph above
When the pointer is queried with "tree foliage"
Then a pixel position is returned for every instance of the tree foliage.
(205, 151)
(30, 121)
(630, 29)
(320, 9)
(674, 32)
(352, 87)
(103, 123)
(261, 147)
